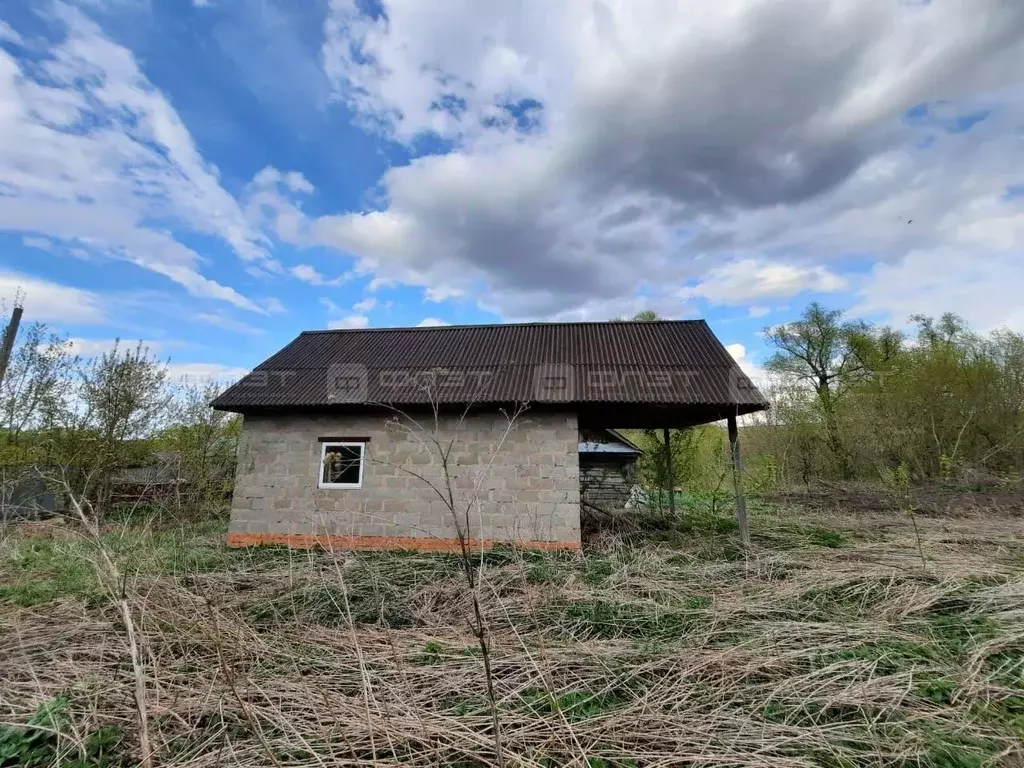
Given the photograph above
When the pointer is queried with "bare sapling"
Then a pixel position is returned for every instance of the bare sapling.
(460, 505)
(898, 481)
(113, 579)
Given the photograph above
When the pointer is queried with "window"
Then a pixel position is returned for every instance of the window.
(341, 465)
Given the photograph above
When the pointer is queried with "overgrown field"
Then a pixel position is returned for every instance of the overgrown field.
(831, 643)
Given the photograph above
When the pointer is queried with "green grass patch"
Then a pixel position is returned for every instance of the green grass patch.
(841, 602)
(1007, 713)
(545, 572)
(328, 605)
(705, 522)
(43, 570)
(608, 619)
(948, 749)
(889, 656)
(597, 570)
(46, 740)
(939, 691)
(37, 571)
(574, 705)
(824, 537)
(959, 635)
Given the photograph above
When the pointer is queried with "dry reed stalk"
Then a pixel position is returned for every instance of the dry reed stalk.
(657, 656)
(115, 582)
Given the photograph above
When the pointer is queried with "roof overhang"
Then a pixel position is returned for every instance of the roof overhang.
(590, 415)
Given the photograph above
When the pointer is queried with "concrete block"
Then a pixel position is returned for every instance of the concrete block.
(276, 485)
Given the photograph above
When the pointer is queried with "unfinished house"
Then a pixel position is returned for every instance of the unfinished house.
(425, 438)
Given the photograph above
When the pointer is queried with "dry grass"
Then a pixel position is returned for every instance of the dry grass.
(829, 645)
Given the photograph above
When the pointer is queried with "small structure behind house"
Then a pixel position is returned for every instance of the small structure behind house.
(608, 472)
(29, 495)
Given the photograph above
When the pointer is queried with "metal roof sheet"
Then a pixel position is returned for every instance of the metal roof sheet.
(661, 362)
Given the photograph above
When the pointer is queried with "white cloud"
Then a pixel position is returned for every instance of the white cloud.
(194, 372)
(430, 322)
(202, 372)
(748, 280)
(50, 302)
(603, 150)
(985, 291)
(274, 306)
(42, 243)
(9, 35)
(350, 321)
(307, 274)
(293, 181)
(221, 320)
(331, 306)
(93, 155)
(758, 311)
(740, 354)
(355, 318)
(377, 283)
(439, 293)
(86, 348)
(271, 203)
(311, 275)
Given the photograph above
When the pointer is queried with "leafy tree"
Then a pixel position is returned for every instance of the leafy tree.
(125, 397)
(827, 352)
(646, 316)
(946, 331)
(204, 443)
(36, 389)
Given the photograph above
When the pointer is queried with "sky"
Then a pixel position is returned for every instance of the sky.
(215, 176)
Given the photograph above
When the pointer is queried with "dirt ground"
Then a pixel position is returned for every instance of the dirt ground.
(958, 500)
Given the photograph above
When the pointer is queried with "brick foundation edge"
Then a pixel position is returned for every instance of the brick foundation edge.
(416, 543)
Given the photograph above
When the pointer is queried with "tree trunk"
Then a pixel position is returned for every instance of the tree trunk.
(835, 445)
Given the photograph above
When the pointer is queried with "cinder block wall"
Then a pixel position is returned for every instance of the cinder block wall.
(524, 489)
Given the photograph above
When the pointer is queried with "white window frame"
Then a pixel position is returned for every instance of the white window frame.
(323, 457)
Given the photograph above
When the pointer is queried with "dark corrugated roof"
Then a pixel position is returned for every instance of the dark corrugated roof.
(662, 362)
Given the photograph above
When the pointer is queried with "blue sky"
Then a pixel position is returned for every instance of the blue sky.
(214, 177)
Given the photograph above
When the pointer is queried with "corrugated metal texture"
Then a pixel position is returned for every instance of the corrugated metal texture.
(666, 362)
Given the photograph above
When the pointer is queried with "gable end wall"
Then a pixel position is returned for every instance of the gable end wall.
(520, 485)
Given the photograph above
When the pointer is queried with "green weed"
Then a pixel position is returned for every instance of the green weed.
(44, 740)
(45, 570)
(889, 656)
(607, 619)
(823, 537)
(947, 749)
(597, 570)
(325, 604)
(939, 691)
(574, 706)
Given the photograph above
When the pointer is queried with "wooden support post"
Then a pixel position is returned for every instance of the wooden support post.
(670, 473)
(737, 481)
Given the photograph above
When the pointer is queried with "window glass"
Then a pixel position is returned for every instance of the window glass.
(342, 464)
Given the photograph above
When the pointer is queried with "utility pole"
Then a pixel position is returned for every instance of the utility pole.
(5, 358)
(9, 336)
